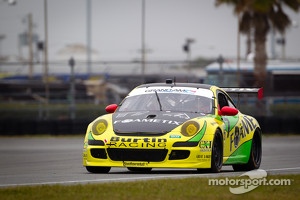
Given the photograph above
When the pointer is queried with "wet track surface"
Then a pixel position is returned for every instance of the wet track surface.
(57, 160)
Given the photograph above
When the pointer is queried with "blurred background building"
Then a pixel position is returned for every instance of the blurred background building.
(117, 45)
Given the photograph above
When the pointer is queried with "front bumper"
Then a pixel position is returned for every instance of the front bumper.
(172, 157)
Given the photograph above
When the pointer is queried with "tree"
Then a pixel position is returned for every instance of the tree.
(259, 16)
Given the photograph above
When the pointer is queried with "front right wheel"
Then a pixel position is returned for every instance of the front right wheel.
(216, 155)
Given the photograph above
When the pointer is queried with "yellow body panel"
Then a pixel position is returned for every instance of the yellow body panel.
(200, 157)
(237, 131)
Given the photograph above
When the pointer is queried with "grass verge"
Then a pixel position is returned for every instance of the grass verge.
(166, 189)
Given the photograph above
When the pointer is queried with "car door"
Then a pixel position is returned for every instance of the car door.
(233, 126)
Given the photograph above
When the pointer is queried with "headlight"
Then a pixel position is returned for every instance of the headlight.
(99, 127)
(190, 128)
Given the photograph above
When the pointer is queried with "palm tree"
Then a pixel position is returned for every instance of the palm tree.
(259, 16)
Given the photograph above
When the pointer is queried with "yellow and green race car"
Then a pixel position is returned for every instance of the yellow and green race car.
(174, 125)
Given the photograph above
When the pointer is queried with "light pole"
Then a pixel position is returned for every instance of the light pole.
(45, 48)
(72, 89)
(220, 60)
(2, 37)
(187, 49)
(29, 37)
(89, 35)
(238, 60)
(143, 40)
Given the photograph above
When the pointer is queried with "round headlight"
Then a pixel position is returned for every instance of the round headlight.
(190, 128)
(99, 127)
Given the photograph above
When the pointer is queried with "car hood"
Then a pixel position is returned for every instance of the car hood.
(150, 122)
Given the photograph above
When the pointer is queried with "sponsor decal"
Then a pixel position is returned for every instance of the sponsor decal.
(248, 124)
(171, 90)
(203, 156)
(135, 164)
(205, 146)
(180, 90)
(236, 137)
(121, 142)
(175, 136)
(247, 127)
(160, 121)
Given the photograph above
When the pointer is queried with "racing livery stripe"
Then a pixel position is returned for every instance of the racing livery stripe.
(241, 154)
(230, 122)
(200, 135)
(194, 141)
(90, 136)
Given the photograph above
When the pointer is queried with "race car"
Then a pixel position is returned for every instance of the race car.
(174, 125)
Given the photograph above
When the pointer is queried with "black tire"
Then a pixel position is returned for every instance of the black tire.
(98, 170)
(216, 155)
(139, 169)
(255, 155)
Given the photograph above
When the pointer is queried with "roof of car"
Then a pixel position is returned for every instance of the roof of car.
(194, 85)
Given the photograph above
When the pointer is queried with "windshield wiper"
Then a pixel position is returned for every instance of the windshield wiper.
(157, 97)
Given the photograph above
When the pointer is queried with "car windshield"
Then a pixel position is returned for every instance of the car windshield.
(167, 102)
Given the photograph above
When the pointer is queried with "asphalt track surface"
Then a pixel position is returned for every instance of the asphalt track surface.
(57, 160)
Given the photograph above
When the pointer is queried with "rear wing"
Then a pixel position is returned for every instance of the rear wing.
(238, 91)
(259, 91)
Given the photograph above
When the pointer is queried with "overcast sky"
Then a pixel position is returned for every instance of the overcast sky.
(116, 28)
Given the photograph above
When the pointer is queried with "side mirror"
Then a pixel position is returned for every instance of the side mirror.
(111, 108)
(228, 111)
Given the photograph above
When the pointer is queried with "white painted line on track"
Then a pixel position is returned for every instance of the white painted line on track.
(282, 169)
(111, 180)
(141, 178)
